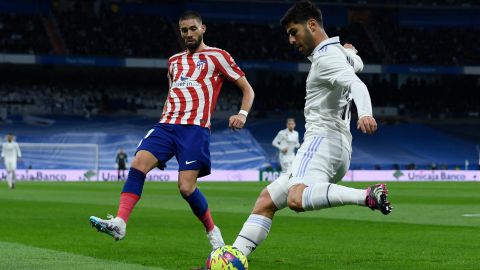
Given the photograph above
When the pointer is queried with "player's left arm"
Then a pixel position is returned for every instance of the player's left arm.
(362, 100)
(337, 71)
(237, 121)
(19, 153)
(353, 58)
(297, 144)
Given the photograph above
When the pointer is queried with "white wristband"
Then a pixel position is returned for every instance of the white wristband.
(243, 112)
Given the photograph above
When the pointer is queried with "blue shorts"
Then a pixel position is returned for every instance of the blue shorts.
(188, 143)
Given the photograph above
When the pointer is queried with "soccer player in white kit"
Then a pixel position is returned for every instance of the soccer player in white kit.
(10, 152)
(324, 157)
(286, 142)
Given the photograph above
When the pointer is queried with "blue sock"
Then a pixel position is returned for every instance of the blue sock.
(197, 202)
(135, 181)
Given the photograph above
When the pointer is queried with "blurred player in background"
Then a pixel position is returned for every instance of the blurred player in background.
(324, 157)
(121, 160)
(286, 142)
(195, 79)
(10, 153)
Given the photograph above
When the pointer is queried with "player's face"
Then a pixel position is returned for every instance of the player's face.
(9, 138)
(300, 36)
(291, 125)
(192, 31)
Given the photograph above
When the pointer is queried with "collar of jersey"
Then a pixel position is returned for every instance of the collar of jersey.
(323, 45)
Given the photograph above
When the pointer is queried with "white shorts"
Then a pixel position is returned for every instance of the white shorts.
(286, 162)
(319, 160)
(10, 165)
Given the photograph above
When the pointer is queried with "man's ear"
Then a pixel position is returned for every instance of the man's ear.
(312, 25)
(204, 28)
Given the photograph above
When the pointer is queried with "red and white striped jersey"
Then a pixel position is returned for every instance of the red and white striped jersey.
(195, 81)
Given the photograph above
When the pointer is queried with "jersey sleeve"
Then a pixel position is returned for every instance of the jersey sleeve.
(277, 141)
(228, 67)
(354, 60)
(19, 153)
(361, 97)
(297, 143)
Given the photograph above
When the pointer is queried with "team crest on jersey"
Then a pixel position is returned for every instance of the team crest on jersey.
(201, 64)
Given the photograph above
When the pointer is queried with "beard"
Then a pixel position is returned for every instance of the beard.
(308, 43)
(194, 45)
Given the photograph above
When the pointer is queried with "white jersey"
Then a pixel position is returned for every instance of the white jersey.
(286, 138)
(10, 151)
(328, 100)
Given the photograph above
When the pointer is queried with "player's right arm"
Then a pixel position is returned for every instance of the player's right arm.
(277, 141)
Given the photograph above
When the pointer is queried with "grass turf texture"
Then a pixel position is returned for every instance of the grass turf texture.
(45, 226)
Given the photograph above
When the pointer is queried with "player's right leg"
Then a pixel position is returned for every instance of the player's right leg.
(142, 163)
(10, 169)
(255, 230)
(155, 149)
(9, 179)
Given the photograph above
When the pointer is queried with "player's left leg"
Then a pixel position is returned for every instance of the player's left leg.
(193, 156)
(313, 187)
(14, 179)
(9, 179)
(187, 184)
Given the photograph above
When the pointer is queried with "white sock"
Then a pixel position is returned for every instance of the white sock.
(325, 195)
(254, 231)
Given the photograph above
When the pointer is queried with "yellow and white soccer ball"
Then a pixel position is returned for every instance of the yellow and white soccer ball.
(227, 258)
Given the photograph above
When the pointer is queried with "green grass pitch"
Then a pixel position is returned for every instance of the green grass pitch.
(45, 226)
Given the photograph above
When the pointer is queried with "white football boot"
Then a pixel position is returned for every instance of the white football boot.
(215, 238)
(115, 227)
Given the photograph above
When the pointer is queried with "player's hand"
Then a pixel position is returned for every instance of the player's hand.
(237, 121)
(367, 124)
(350, 46)
(284, 150)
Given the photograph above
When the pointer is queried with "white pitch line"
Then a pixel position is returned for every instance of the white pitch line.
(471, 215)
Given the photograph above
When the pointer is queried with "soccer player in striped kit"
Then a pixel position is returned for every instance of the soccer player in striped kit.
(195, 79)
(324, 157)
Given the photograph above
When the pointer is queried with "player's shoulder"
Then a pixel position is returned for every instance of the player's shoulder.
(217, 51)
(328, 49)
(176, 56)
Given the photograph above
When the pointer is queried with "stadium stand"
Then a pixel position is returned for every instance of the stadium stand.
(94, 98)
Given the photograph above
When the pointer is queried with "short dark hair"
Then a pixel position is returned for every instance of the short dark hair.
(301, 12)
(190, 14)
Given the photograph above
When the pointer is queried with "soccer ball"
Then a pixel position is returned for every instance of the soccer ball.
(227, 258)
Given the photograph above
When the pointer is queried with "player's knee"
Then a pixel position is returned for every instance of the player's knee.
(294, 199)
(186, 188)
(144, 161)
(264, 205)
(294, 203)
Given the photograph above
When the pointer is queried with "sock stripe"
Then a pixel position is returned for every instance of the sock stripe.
(328, 188)
(248, 239)
(307, 199)
(261, 218)
(262, 223)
